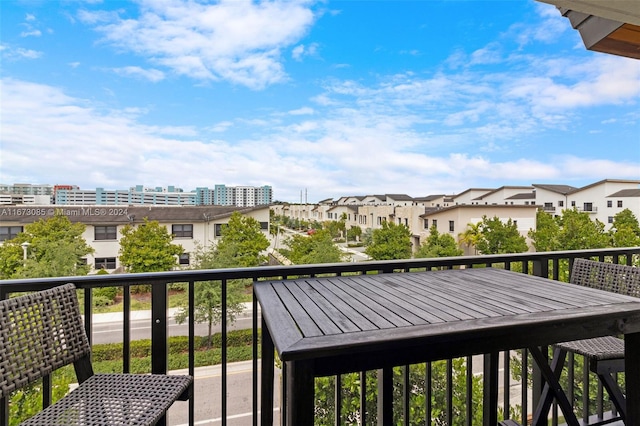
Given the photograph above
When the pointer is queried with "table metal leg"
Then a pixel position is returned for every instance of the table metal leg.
(632, 377)
(300, 393)
(385, 396)
(490, 383)
(551, 378)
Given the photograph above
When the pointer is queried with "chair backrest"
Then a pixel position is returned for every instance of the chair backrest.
(39, 333)
(611, 277)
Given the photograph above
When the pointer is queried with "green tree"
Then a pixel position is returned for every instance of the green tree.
(242, 244)
(573, 230)
(498, 237)
(350, 403)
(390, 242)
(333, 227)
(438, 245)
(626, 230)
(547, 232)
(148, 247)
(316, 248)
(56, 248)
(579, 232)
(354, 233)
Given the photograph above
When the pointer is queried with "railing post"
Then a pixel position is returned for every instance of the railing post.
(159, 347)
(541, 267)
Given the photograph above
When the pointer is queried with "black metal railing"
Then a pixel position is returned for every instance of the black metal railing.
(552, 265)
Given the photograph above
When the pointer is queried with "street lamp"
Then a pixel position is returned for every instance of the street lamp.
(25, 247)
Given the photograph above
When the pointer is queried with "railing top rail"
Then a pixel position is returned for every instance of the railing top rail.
(267, 272)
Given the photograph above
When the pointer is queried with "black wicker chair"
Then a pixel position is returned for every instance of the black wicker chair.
(43, 331)
(605, 355)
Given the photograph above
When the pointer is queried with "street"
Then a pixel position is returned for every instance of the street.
(111, 332)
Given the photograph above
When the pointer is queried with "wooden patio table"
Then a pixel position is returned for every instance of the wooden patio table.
(328, 326)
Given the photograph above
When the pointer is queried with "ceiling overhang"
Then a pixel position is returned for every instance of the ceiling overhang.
(610, 27)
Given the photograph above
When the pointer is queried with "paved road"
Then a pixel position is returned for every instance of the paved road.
(111, 331)
(208, 397)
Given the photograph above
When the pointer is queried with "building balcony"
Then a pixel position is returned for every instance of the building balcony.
(450, 391)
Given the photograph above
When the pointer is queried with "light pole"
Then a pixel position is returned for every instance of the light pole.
(25, 247)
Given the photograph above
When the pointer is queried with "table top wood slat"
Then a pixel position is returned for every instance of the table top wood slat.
(326, 312)
(396, 313)
(340, 316)
(361, 314)
(463, 298)
(393, 297)
(481, 296)
(495, 295)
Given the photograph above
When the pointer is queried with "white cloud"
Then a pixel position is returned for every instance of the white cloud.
(152, 75)
(602, 80)
(16, 53)
(302, 111)
(31, 33)
(301, 51)
(232, 40)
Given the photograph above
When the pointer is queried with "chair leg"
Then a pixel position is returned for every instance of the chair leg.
(552, 388)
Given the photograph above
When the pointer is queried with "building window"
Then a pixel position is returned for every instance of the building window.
(561, 203)
(610, 219)
(588, 207)
(184, 259)
(264, 225)
(573, 204)
(182, 231)
(218, 229)
(451, 226)
(434, 222)
(609, 203)
(9, 232)
(105, 232)
(105, 263)
(426, 224)
(620, 203)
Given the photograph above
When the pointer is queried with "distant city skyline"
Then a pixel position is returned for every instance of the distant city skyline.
(338, 97)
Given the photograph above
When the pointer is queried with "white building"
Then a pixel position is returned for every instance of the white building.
(603, 200)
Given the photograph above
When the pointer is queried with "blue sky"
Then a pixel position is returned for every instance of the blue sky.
(329, 97)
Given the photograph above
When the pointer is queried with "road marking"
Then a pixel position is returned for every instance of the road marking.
(219, 419)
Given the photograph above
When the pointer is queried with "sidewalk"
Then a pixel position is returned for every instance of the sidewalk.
(146, 315)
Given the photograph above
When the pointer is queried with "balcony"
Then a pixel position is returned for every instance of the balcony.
(448, 392)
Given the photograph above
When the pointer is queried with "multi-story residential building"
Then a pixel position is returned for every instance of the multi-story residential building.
(69, 195)
(451, 213)
(25, 193)
(454, 220)
(190, 225)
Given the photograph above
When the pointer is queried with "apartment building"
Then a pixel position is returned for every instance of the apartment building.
(451, 213)
(190, 225)
(72, 195)
(25, 193)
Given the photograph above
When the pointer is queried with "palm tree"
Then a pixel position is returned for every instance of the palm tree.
(471, 236)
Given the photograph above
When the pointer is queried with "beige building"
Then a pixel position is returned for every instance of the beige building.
(602, 200)
(191, 226)
(454, 220)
